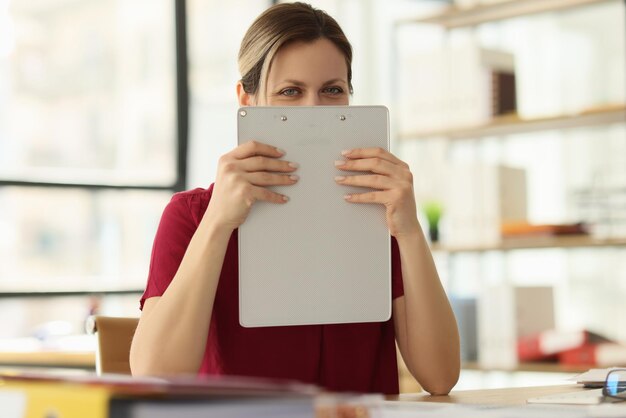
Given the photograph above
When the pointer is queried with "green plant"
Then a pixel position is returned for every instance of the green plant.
(433, 210)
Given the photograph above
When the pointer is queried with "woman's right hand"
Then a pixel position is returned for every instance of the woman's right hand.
(242, 175)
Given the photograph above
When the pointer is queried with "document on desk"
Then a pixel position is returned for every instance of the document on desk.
(13, 403)
(398, 409)
(584, 397)
(592, 378)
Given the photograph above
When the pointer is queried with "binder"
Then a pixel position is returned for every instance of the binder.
(548, 344)
(595, 354)
(37, 395)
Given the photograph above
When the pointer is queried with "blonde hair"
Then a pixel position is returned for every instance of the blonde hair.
(281, 24)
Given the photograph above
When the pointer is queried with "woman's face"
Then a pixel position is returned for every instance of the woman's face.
(307, 74)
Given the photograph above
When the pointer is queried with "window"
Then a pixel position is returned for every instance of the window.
(89, 138)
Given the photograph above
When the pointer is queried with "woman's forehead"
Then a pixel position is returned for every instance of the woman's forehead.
(308, 62)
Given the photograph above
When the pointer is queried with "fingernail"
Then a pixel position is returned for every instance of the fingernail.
(346, 152)
(280, 150)
(285, 198)
(294, 165)
(294, 177)
(340, 178)
(347, 197)
(339, 163)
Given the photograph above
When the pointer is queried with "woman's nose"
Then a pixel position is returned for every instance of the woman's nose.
(311, 100)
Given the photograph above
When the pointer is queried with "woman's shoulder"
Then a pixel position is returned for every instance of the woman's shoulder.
(191, 194)
(193, 202)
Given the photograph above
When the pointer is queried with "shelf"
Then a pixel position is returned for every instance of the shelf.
(409, 385)
(455, 17)
(508, 125)
(529, 367)
(567, 241)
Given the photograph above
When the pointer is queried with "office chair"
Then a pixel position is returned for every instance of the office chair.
(114, 335)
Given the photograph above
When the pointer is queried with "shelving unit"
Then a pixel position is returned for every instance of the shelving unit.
(454, 17)
(603, 114)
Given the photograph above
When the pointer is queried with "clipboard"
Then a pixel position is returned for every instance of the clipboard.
(317, 259)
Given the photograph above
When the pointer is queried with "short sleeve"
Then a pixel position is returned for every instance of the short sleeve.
(397, 286)
(172, 238)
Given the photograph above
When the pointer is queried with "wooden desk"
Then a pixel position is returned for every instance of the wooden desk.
(75, 360)
(506, 396)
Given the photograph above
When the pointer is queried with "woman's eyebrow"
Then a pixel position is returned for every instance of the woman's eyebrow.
(303, 84)
(335, 80)
(294, 82)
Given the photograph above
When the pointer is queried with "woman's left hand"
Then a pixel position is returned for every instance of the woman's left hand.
(393, 181)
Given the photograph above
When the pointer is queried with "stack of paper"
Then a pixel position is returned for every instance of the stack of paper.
(593, 378)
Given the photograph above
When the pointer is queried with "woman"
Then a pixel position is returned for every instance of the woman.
(292, 54)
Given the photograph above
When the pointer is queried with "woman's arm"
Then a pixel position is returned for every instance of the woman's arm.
(426, 330)
(425, 326)
(172, 332)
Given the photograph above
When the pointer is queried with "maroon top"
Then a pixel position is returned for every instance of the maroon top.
(341, 357)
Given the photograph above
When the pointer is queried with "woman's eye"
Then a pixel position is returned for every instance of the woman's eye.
(333, 90)
(289, 92)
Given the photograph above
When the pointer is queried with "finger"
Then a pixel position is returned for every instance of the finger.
(369, 197)
(265, 195)
(260, 163)
(252, 148)
(375, 165)
(372, 181)
(373, 152)
(268, 179)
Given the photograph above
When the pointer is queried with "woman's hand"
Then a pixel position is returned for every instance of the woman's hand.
(394, 183)
(242, 175)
